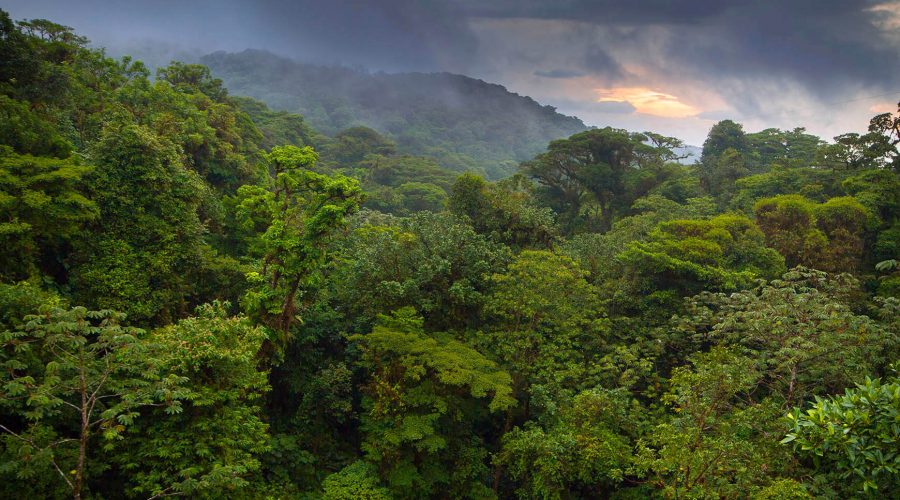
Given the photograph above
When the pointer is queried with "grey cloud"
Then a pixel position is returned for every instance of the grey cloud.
(716, 115)
(740, 50)
(600, 11)
(826, 44)
(599, 61)
(559, 73)
(390, 35)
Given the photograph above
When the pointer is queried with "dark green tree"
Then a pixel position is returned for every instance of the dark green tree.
(43, 208)
(140, 254)
(723, 136)
(591, 168)
(211, 447)
(427, 397)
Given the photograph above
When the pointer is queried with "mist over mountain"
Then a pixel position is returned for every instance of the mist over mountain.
(462, 122)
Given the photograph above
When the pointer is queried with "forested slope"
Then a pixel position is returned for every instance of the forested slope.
(204, 297)
(462, 123)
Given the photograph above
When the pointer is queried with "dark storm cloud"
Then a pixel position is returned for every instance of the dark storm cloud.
(385, 35)
(406, 34)
(600, 11)
(599, 61)
(823, 42)
(752, 58)
(826, 45)
(769, 61)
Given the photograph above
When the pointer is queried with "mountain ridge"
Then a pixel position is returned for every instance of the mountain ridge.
(465, 123)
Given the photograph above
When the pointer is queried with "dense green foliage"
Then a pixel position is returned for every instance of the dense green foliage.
(203, 297)
(854, 434)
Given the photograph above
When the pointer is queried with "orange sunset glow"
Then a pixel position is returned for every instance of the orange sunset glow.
(648, 101)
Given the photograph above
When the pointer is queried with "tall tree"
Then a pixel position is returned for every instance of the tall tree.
(726, 252)
(427, 397)
(581, 450)
(507, 210)
(828, 236)
(140, 254)
(595, 164)
(43, 208)
(884, 130)
(540, 310)
(718, 174)
(293, 222)
(433, 262)
(212, 446)
(800, 330)
(723, 136)
(714, 443)
(91, 377)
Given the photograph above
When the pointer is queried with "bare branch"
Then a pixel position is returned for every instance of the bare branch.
(52, 461)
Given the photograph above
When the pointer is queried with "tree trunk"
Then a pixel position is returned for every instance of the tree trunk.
(83, 438)
(498, 469)
(288, 308)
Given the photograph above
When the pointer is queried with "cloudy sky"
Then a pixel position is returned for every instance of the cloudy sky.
(670, 66)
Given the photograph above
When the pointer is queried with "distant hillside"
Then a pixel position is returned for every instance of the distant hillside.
(463, 123)
(691, 154)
